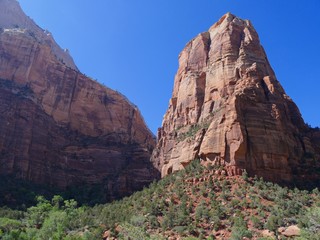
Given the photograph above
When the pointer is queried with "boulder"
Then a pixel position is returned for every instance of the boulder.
(292, 231)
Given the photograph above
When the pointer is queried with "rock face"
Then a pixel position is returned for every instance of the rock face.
(228, 108)
(59, 127)
(12, 17)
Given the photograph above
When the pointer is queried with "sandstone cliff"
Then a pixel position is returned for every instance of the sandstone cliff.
(227, 108)
(12, 17)
(59, 127)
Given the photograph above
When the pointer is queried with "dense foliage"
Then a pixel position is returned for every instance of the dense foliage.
(196, 203)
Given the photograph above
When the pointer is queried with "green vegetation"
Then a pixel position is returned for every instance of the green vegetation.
(193, 130)
(194, 203)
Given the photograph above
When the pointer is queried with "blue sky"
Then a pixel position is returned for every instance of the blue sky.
(133, 46)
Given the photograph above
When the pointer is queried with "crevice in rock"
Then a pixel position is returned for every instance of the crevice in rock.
(265, 89)
(197, 148)
(208, 48)
(248, 150)
(72, 93)
(200, 93)
(32, 58)
(174, 103)
(130, 124)
(227, 149)
(302, 159)
(237, 74)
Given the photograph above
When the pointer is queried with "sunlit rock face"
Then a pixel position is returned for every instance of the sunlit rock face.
(228, 108)
(59, 127)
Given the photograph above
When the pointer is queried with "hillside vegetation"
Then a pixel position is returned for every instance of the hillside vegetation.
(196, 203)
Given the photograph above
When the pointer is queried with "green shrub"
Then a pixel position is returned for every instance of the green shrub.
(132, 232)
(180, 229)
(310, 223)
(7, 224)
(54, 227)
(138, 221)
(240, 229)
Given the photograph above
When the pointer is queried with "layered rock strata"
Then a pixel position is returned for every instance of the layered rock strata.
(59, 127)
(228, 108)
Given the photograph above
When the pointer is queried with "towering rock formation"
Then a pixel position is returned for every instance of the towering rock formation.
(59, 127)
(228, 108)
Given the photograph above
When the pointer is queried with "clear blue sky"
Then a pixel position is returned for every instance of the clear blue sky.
(132, 45)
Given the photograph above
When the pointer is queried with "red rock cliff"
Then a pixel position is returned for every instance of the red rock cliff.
(59, 127)
(228, 108)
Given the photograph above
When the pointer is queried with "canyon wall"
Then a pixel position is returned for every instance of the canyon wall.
(57, 126)
(228, 109)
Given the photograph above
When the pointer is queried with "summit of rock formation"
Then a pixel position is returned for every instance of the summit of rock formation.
(12, 18)
(228, 108)
(59, 127)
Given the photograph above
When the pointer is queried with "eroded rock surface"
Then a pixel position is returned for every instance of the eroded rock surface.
(228, 108)
(59, 127)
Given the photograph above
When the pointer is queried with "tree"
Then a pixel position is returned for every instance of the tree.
(57, 201)
(54, 226)
(37, 214)
(272, 224)
(240, 229)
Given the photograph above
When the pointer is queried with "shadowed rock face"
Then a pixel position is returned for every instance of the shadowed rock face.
(59, 127)
(228, 108)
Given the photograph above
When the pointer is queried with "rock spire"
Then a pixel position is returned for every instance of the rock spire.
(228, 108)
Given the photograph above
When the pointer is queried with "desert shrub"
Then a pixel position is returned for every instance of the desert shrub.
(240, 229)
(191, 238)
(257, 223)
(153, 220)
(133, 232)
(310, 222)
(216, 222)
(138, 221)
(180, 229)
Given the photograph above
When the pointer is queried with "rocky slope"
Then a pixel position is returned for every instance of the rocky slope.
(192, 204)
(59, 127)
(228, 108)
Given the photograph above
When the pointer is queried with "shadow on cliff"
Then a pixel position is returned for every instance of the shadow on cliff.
(38, 156)
(20, 194)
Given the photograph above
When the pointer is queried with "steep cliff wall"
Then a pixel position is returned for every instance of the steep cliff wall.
(228, 108)
(59, 127)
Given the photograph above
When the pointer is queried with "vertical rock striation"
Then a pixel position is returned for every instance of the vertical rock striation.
(229, 109)
(59, 127)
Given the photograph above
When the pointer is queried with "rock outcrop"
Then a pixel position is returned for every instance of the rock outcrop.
(59, 127)
(12, 17)
(228, 108)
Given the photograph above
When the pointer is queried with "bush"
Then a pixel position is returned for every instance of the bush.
(153, 221)
(54, 227)
(240, 229)
(180, 229)
(138, 221)
(132, 232)
(310, 223)
(7, 224)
